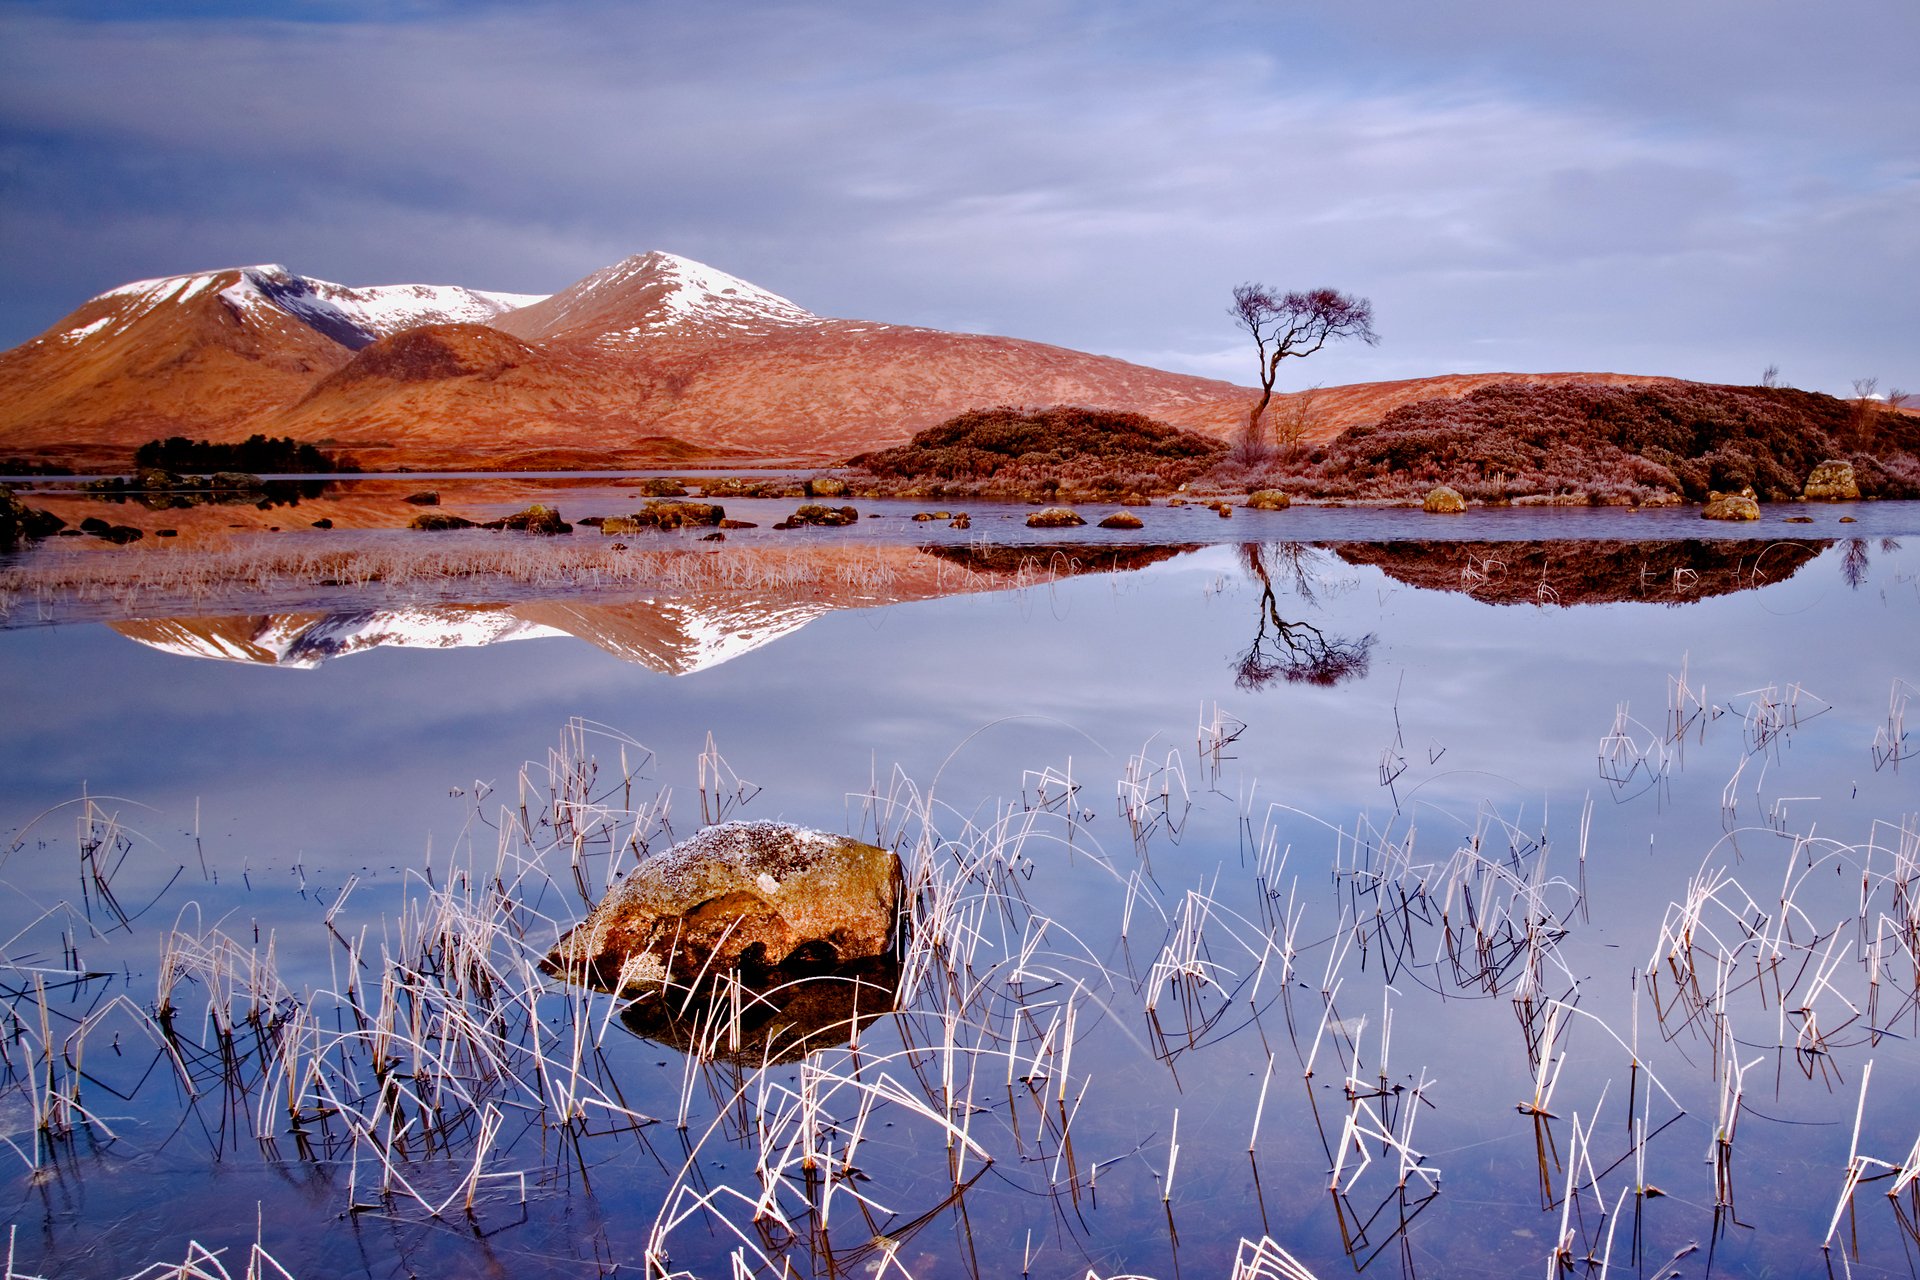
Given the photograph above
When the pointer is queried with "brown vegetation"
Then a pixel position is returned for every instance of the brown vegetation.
(1657, 442)
(1040, 454)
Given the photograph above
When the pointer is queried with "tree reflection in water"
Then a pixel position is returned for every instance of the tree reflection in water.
(1297, 652)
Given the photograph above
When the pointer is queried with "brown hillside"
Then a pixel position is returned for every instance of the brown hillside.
(655, 360)
(130, 366)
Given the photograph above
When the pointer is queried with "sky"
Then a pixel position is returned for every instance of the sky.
(1698, 189)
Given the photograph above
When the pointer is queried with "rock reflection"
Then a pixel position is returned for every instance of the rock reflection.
(783, 1018)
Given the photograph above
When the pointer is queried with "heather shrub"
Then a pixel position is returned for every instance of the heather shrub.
(1586, 442)
(1046, 452)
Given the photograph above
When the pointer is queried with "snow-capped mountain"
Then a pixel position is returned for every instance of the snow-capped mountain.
(651, 294)
(655, 359)
(353, 317)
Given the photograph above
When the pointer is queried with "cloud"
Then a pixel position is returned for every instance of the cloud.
(1514, 186)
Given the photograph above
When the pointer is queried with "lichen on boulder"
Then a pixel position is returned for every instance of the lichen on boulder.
(1054, 518)
(1444, 500)
(1731, 506)
(1268, 500)
(1122, 520)
(750, 896)
(1832, 481)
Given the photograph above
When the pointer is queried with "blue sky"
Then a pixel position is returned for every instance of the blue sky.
(1697, 189)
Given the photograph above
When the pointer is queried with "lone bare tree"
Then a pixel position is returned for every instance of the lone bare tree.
(1295, 324)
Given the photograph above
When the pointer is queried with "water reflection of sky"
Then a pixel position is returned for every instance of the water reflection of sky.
(349, 767)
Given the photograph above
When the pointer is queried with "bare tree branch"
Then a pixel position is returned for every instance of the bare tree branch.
(1295, 324)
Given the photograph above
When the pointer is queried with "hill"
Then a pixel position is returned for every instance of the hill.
(654, 359)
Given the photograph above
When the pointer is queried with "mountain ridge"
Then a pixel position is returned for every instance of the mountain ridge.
(654, 360)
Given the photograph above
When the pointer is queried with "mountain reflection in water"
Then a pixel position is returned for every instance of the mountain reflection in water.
(674, 634)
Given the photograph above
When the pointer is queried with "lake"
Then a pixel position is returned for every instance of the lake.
(1427, 897)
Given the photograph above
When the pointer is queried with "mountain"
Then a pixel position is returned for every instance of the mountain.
(217, 355)
(652, 294)
(654, 360)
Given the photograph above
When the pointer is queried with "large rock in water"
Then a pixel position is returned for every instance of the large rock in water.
(1731, 506)
(747, 895)
(1832, 481)
(1444, 500)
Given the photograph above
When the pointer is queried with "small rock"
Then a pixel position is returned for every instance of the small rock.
(961, 521)
(323, 523)
(1444, 500)
(1225, 509)
(1122, 520)
(1054, 518)
(427, 498)
(715, 536)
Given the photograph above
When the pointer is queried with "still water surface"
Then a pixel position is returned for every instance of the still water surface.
(1287, 883)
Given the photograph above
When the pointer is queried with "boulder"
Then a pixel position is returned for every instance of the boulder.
(826, 487)
(22, 523)
(426, 498)
(1731, 506)
(153, 478)
(1832, 481)
(813, 513)
(437, 521)
(662, 487)
(1122, 520)
(961, 521)
(1444, 500)
(1054, 518)
(752, 896)
(236, 481)
(1268, 500)
(538, 518)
